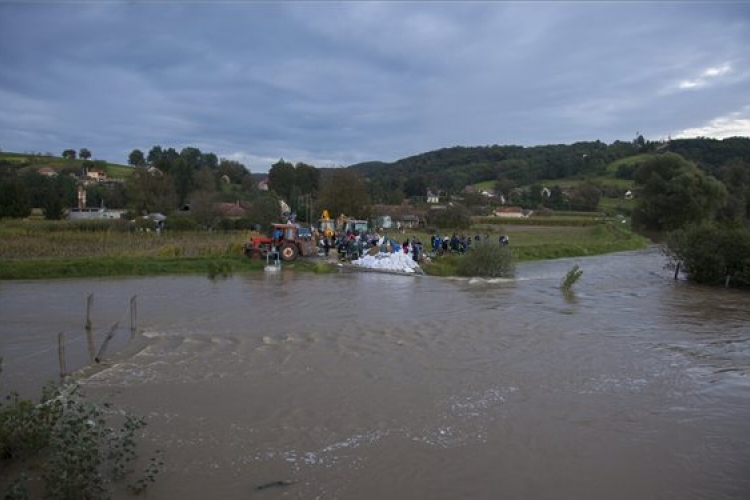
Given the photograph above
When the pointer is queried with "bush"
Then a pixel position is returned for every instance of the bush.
(145, 224)
(454, 216)
(243, 224)
(82, 452)
(571, 277)
(180, 223)
(487, 259)
(227, 224)
(709, 254)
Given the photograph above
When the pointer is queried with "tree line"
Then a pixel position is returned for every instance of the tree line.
(705, 220)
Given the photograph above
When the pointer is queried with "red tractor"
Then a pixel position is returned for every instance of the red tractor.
(285, 240)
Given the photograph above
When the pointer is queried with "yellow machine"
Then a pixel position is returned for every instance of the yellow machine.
(326, 225)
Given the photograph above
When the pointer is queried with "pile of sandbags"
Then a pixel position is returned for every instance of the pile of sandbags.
(396, 261)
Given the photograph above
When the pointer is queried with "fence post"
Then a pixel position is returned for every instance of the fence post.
(677, 270)
(133, 315)
(61, 354)
(89, 305)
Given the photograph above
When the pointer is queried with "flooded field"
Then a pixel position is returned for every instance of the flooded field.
(373, 386)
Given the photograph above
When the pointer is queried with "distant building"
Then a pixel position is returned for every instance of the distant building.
(263, 184)
(95, 213)
(47, 171)
(96, 175)
(234, 210)
(432, 197)
(510, 212)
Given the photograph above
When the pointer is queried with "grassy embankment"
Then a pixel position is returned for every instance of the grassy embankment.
(545, 238)
(66, 249)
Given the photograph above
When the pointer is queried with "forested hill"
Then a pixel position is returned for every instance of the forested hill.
(453, 168)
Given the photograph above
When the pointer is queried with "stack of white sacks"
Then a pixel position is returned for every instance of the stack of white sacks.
(396, 261)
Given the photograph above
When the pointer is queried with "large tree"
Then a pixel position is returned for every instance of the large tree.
(184, 178)
(343, 191)
(281, 178)
(69, 154)
(136, 158)
(150, 192)
(84, 153)
(234, 170)
(673, 192)
(307, 178)
(14, 199)
(265, 210)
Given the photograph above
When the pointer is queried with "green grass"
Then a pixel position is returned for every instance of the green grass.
(529, 242)
(485, 185)
(119, 171)
(608, 179)
(68, 249)
(617, 205)
(630, 160)
(122, 266)
(114, 170)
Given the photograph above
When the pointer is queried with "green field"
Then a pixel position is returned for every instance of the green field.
(33, 161)
(606, 181)
(65, 249)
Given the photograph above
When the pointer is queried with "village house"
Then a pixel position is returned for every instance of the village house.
(47, 172)
(96, 175)
(234, 210)
(510, 212)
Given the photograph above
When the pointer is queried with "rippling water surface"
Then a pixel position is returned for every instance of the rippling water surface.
(373, 386)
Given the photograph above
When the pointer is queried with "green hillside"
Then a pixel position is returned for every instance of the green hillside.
(23, 161)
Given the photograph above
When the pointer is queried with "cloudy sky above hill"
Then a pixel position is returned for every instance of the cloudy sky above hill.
(335, 83)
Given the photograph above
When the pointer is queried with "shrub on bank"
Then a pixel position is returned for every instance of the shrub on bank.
(712, 254)
(487, 259)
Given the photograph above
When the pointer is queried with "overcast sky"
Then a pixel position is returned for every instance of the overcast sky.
(335, 83)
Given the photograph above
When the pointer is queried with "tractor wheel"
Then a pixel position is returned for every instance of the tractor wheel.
(288, 251)
(254, 253)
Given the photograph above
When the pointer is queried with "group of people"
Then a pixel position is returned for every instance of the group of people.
(460, 243)
(351, 245)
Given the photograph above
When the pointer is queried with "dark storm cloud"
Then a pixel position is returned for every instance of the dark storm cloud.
(336, 83)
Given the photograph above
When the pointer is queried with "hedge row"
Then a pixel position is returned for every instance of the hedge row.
(538, 221)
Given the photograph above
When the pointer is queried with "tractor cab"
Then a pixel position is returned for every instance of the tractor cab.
(285, 240)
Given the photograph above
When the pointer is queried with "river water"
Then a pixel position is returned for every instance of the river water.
(373, 386)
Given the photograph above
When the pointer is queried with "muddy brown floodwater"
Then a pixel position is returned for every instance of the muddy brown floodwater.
(372, 386)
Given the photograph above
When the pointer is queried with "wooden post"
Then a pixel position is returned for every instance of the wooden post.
(103, 348)
(89, 305)
(91, 344)
(133, 315)
(677, 270)
(726, 283)
(61, 354)
(89, 333)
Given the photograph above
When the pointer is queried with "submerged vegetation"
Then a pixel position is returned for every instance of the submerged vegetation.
(75, 447)
(571, 278)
